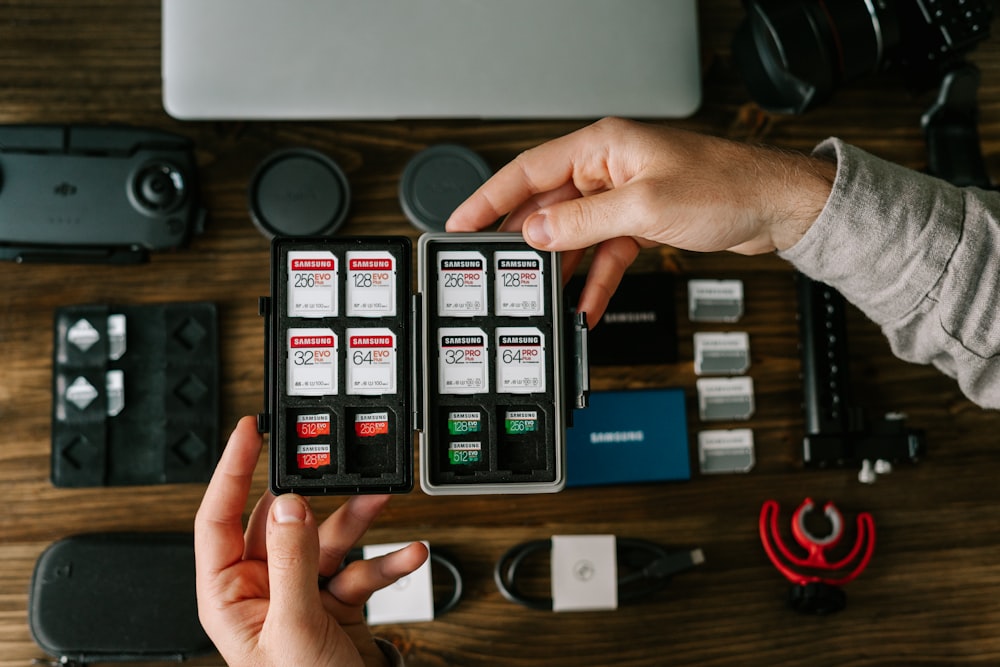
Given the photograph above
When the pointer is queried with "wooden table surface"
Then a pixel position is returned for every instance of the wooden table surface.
(932, 592)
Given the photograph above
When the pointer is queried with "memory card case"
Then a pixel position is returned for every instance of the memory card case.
(482, 361)
(117, 597)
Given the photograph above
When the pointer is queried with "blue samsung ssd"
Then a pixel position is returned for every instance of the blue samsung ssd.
(629, 436)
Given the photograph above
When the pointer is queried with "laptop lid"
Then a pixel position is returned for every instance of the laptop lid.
(385, 59)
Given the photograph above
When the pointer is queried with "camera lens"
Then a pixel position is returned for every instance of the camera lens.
(158, 187)
(792, 55)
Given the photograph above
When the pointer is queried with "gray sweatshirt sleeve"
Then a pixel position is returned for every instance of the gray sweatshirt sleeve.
(918, 256)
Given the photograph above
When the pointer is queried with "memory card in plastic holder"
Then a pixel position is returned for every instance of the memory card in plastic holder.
(476, 361)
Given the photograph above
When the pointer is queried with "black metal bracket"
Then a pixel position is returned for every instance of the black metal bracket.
(838, 432)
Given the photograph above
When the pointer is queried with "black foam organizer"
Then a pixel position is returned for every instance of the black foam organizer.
(138, 409)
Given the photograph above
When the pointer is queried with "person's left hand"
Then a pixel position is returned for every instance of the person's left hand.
(259, 597)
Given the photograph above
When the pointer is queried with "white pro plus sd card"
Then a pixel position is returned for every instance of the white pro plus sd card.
(461, 283)
(520, 360)
(371, 361)
(371, 284)
(520, 283)
(312, 283)
(312, 362)
(462, 354)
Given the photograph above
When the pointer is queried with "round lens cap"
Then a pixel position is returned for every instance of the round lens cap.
(299, 192)
(436, 180)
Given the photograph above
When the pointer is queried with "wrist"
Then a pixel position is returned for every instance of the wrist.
(801, 189)
(793, 193)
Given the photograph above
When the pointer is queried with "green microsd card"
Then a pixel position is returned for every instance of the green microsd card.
(516, 423)
(460, 423)
(464, 453)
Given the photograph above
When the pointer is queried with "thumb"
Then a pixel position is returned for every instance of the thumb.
(582, 222)
(292, 562)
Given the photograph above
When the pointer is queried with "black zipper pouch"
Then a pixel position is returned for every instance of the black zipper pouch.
(117, 597)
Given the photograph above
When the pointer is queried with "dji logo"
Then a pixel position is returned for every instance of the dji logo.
(65, 189)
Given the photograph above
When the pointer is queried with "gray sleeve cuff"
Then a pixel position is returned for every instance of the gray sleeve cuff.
(882, 256)
(918, 256)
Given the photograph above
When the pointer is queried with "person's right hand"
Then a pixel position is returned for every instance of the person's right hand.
(621, 185)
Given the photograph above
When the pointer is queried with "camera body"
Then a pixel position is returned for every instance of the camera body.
(793, 54)
(95, 193)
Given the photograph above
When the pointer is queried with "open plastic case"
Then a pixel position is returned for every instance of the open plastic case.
(482, 360)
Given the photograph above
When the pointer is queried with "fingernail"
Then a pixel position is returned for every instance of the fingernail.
(288, 509)
(536, 230)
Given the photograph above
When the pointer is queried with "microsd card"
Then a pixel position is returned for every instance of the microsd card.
(315, 425)
(461, 283)
(520, 283)
(371, 284)
(462, 354)
(465, 453)
(313, 456)
(460, 423)
(520, 422)
(371, 424)
(371, 361)
(312, 283)
(520, 360)
(312, 362)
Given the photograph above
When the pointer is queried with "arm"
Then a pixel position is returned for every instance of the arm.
(918, 256)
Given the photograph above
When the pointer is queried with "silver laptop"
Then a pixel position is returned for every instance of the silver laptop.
(386, 59)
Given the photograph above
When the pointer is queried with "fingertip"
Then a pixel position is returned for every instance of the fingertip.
(289, 509)
(593, 306)
(405, 561)
(537, 230)
(245, 437)
(246, 425)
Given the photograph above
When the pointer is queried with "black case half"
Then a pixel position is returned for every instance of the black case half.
(115, 597)
(356, 362)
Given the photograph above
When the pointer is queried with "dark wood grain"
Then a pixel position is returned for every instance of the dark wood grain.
(932, 593)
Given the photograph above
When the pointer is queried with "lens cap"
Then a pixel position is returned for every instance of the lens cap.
(436, 180)
(299, 192)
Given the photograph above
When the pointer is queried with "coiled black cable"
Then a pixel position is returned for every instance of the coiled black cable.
(644, 568)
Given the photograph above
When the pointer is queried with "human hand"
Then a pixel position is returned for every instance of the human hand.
(620, 185)
(258, 594)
